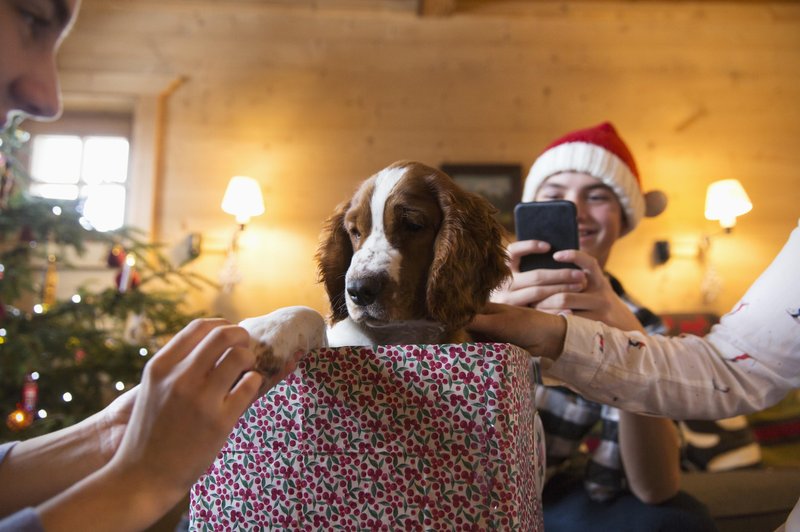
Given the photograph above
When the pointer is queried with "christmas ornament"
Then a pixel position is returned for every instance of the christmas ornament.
(30, 394)
(22, 417)
(50, 282)
(128, 277)
(116, 256)
(26, 235)
(138, 329)
(74, 345)
(127, 281)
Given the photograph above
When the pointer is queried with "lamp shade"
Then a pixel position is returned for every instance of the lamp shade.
(243, 198)
(725, 200)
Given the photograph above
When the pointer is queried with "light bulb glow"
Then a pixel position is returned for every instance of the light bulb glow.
(243, 198)
(725, 200)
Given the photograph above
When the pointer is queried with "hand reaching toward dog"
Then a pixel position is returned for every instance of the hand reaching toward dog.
(167, 431)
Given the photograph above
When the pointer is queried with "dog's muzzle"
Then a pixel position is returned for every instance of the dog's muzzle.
(364, 291)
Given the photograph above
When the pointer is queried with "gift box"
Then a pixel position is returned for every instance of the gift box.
(419, 437)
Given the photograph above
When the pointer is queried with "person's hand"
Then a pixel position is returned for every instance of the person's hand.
(192, 393)
(171, 426)
(111, 422)
(539, 333)
(530, 288)
(597, 301)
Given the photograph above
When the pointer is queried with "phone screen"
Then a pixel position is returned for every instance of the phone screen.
(554, 222)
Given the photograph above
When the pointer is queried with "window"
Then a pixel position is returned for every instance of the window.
(88, 164)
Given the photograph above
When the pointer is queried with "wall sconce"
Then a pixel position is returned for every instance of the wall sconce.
(243, 200)
(725, 200)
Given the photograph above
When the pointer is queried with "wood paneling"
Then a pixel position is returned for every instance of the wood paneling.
(312, 97)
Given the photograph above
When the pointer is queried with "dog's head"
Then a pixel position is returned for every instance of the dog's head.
(411, 245)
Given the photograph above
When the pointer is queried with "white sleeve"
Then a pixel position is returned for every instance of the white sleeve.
(748, 362)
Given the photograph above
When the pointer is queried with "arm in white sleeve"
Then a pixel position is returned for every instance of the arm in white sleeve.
(748, 362)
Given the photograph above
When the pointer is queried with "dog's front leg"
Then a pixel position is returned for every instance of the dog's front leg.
(277, 336)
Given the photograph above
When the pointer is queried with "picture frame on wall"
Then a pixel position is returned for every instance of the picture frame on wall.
(501, 184)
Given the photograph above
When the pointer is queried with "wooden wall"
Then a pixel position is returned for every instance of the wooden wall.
(310, 100)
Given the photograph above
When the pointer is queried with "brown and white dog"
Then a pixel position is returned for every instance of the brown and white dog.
(409, 259)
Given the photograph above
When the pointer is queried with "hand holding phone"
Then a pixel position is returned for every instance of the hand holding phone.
(554, 222)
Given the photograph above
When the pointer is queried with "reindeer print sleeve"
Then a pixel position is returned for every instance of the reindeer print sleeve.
(748, 362)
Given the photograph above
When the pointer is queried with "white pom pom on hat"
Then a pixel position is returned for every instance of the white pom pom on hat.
(600, 152)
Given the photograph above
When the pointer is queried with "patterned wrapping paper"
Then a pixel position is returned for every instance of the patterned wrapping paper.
(418, 437)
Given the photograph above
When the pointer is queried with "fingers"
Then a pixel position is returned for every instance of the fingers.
(206, 356)
(186, 340)
(579, 258)
(492, 315)
(517, 250)
(489, 325)
(535, 286)
(233, 363)
(243, 393)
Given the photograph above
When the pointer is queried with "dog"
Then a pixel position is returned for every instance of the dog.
(409, 259)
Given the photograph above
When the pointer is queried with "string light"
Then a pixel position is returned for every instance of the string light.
(42, 413)
(76, 298)
(67, 397)
(143, 352)
(119, 386)
(35, 375)
(57, 210)
(38, 308)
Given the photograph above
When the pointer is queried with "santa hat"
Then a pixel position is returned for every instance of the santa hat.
(600, 152)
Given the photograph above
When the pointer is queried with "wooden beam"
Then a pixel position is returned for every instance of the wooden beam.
(436, 8)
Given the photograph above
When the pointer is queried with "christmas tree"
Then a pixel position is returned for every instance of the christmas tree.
(61, 361)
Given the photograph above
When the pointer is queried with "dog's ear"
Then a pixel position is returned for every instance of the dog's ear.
(333, 258)
(469, 257)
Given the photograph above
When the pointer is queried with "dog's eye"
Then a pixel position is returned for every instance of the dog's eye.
(355, 234)
(413, 224)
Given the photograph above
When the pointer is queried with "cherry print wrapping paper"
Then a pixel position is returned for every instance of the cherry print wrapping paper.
(417, 437)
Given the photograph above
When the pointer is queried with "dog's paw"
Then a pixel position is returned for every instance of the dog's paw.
(277, 336)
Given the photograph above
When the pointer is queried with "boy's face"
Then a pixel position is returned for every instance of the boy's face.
(30, 34)
(600, 218)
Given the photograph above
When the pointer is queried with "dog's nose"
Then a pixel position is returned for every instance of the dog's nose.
(365, 290)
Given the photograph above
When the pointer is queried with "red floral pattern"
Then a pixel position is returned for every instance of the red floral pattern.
(396, 437)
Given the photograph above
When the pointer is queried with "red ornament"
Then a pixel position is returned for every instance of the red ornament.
(116, 256)
(30, 394)
(127, 280)
(26, 234)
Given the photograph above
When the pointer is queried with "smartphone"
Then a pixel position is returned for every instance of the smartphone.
(555, 222)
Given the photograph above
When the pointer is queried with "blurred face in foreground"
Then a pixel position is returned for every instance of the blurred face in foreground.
(30, 33)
